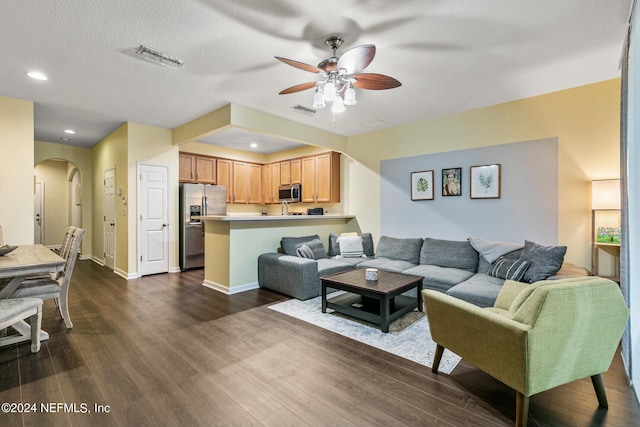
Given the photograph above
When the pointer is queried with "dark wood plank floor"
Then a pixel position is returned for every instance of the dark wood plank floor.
(165, 351)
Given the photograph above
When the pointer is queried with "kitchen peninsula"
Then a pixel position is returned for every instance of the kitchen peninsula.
(232, 244)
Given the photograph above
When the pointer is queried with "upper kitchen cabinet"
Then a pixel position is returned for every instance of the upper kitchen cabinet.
(197, 168)
(291, 171)
(187, 167)
(224, 175)
(247, 183)
(321, 178)
(206, 170)
(270, 182)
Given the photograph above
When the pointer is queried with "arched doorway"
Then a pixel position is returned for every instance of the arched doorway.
(58, 192)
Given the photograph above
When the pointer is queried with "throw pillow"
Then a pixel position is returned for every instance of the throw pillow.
(545, 260)
(511, 269)
(304, 251)
(367, 244)
(351, 247)
(290, 244)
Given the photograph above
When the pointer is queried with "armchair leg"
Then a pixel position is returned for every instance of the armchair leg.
(598, 385)
(522, 409)
(437, 358)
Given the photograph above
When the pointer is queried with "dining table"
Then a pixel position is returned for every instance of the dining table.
(21, 263)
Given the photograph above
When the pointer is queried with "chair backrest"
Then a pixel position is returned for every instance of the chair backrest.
(66, 242)
(71, 255)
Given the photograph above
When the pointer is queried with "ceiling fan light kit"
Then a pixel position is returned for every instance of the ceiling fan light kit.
(339, 76)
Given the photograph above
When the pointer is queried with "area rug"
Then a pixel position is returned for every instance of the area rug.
(408, 337)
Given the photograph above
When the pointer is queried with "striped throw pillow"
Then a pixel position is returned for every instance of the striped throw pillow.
(512, 269)
(304, 251)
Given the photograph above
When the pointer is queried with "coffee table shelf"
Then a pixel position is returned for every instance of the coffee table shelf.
(380, 302)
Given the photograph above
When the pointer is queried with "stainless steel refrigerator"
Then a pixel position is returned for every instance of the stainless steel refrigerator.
(197, 200)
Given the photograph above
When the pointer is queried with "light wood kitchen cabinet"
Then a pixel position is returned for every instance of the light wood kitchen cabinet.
(321, 178)
(197, 168)
(291, 171)
(270, 182)
(206, 170)
(247, 183)
(187, 167)
(224, 176)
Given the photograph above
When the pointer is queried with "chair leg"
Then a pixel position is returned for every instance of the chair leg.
(522, 409)
(437, 358)
(598, 385)
(36, 325)
(63, 308)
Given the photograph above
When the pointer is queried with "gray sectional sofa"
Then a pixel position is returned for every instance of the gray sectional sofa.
(453, 267)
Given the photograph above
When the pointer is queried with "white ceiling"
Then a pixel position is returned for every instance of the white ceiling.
(450, 55)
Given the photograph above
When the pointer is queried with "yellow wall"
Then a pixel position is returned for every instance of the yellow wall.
(151, 145)
(81, 158)
(108, 153)
(16, 174)
(585, 120)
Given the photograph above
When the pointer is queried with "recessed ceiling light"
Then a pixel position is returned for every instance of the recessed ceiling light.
(70, 131)
(36, 75)
(254, 145)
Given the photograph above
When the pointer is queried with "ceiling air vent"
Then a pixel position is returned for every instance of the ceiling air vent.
(304, 110)
(153, 55)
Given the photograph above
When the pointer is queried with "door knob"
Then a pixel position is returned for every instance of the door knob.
(165, 225)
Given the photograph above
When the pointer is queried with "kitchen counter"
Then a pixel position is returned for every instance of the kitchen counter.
(232, 243)
(260, 218)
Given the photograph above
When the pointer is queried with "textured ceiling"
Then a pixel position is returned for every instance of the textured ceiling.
(450, 55)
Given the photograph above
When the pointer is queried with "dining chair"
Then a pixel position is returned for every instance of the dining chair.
(55, 288)
(15, 310)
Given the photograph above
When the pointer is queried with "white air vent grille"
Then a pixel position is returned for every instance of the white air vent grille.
(305, 110)
(157, 57)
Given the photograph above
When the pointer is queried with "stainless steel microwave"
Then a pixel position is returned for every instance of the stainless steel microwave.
(289, 193)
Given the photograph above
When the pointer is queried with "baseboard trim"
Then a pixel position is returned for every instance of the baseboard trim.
(98, 261)
(230, 291)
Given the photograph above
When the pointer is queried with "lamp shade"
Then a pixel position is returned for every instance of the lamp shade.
(605, 194)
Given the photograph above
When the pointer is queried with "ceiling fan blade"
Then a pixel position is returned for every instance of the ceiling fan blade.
(300, 65)
(373, 81)
(357, 59)
(297, 88)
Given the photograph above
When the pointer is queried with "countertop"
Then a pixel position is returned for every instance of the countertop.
(267, 218)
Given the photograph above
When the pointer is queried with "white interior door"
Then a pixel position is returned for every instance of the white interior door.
(38, 214)
(110, 218)
(153, 208)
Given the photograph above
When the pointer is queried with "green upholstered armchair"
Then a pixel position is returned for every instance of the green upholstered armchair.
(536, 336)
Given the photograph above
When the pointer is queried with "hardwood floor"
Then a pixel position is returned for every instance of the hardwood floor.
(165, 351)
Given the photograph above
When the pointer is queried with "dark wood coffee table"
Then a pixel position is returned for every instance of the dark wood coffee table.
(378, 302)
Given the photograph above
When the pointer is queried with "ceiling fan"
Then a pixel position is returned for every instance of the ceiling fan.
(340, 75)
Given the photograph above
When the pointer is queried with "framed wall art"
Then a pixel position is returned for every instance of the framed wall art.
(485, 181)
(452, 182)
(422, 185)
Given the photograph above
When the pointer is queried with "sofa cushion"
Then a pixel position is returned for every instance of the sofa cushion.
(490, 250)
(367, 244)
(481, 290)
(512, 269)
(291, 244)
(386, 264)
(403, 249)
(328, 266)
(484, 265)
(545, 260)
(439, 278)
(449, 253)
(350, 261)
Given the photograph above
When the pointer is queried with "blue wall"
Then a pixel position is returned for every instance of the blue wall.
(527, 209)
